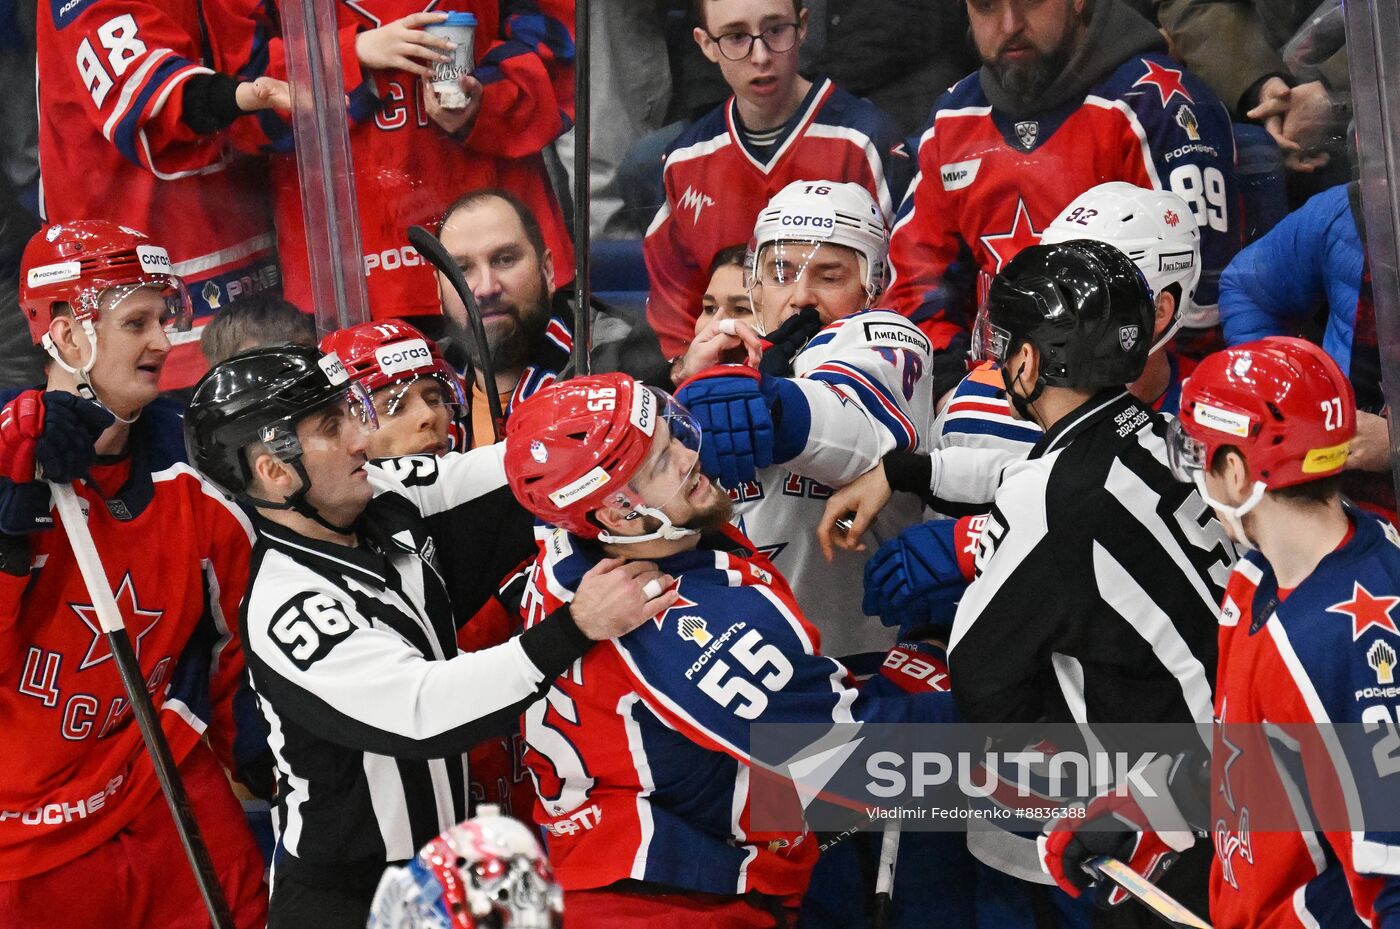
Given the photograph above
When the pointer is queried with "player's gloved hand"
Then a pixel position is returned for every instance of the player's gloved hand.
(49, 430)
(742, 418)
(924, 570)
(1145, 833)
(787, 340)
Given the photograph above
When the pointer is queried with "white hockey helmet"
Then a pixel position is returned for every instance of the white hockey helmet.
(811, 213)
(1154, 227)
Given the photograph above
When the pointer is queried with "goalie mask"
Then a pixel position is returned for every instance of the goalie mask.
(608, 440)
(486, 873)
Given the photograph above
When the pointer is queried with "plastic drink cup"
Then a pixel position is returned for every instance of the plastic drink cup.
(460, 30)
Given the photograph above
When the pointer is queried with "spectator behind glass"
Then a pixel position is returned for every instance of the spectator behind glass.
(259, 320)
(777, 127)
(726, 297)
(1071, 94)
(498, 243)
(1238, 49)
(413, 158)
(135, 128)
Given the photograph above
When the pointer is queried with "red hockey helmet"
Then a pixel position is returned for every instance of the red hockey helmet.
(77, 262)
(390, 351)
(579, 445)
(1283, 402)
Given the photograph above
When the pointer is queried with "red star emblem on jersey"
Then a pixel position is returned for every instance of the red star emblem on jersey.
(1003, 246)
(1166, 80)
(138, 622)
(682, 603)
(1367, 611)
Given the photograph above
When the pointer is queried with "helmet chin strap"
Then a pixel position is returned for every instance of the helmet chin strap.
(1233, 515)
(297, 502)
(668, 530)
(83, 375)
(1022, 404)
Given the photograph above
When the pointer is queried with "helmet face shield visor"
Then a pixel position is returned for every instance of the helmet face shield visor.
(1186, 456)
(389, 401)
(823, 266)
(989, 342)
(175, 311)
(671, 467)
(348, 414)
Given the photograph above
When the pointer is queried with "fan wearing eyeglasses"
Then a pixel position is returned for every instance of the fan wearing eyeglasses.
(776, 127)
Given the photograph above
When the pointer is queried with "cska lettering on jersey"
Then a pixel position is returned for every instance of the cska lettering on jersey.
(1324, 654)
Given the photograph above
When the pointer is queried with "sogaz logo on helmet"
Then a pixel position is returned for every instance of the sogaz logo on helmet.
(333, 369)
(813, 218)
(403, 356)
(154, 259)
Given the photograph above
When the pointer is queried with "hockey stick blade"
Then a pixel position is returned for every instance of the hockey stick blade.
(109, 617)
(430, 248)
(1162, 905)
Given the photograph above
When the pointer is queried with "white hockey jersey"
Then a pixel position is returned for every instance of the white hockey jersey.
(974, 438)
(866, 384)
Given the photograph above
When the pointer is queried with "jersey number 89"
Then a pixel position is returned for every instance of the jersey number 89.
(1204, 189)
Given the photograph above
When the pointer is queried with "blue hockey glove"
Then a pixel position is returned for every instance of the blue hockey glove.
(748, 420)
(918, 577)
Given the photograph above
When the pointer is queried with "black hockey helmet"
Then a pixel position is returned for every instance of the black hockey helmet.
(259, 396)
(1083, 304)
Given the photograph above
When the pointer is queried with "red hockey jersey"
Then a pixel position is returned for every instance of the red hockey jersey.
(112, 145)
(1305, 702)
(408, 170)
(716, 186)
(988, 184)
(176, 552)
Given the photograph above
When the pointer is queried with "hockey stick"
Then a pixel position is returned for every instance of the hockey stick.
(110, 619)
(884, 875)
(430, 248)
(1162, 905)
(583, 123)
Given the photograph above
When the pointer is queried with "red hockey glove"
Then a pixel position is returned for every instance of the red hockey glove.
(1146, 831)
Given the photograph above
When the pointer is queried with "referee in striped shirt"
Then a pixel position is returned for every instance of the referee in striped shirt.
(348, 623)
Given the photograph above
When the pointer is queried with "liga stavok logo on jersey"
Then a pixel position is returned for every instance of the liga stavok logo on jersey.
(694, 629)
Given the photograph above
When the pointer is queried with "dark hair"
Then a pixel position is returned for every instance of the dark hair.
(1320, 491)
(733, 255)
(697, 11)
(522, 212)
(260, 319)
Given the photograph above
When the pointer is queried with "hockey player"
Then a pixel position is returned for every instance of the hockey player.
(1307, 641)
(1072, 93)
(139, 115)
(357, 574)
(641, 752)
(777, 127)
(976, 434)
(414, 156)
(486, 873)
(782, 435)
(419, 401)
(1126, 636)
(81, 815)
